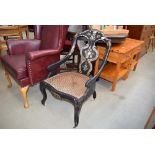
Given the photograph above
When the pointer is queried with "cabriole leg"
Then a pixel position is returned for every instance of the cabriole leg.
(24, 91)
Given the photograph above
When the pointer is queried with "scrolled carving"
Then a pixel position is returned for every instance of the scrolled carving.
(89, 52)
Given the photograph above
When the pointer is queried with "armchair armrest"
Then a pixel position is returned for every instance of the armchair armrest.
(22, 46)
(37, 63)
(41, 53)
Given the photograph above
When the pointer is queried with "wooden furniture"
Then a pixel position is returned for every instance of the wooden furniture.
(24, 28)
(8, 31)
(114, 32)
(152, 41)
(11, 32)
(122, 59)
(141, 32)
(109, 32)
(152, 38)
(116, 36)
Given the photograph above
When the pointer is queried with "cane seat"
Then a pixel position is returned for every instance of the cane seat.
(72, 86)
(71, 83)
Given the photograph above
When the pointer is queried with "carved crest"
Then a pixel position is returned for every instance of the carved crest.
(89, 52)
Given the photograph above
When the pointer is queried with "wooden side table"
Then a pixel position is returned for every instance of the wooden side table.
(122, 59)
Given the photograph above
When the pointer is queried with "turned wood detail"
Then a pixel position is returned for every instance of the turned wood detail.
(24, 91)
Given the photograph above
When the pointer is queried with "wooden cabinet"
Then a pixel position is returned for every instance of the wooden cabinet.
(141, 32)
(122, 59)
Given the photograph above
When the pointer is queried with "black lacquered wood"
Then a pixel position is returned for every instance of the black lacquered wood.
(89, 54)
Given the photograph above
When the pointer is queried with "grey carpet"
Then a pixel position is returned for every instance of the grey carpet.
(128, 107)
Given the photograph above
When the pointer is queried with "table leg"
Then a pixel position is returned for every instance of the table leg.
(136, 58)
(126, 76)
(114, 85)
(118, 65)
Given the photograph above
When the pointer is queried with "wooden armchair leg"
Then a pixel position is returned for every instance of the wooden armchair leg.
(7, 76)
(24, 91)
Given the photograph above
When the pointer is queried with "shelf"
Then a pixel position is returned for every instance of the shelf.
(109, 72)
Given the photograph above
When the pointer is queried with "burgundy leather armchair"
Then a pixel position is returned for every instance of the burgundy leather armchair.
(27, 60)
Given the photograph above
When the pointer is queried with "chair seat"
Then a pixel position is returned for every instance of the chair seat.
(71, 83)
(16, 65)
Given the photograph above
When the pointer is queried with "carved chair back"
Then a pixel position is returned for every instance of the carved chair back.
(89, 52)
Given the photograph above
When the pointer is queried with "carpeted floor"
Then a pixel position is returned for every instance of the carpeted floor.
(150, 124)
(128, 107)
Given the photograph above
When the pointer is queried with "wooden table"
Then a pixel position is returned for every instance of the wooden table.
(14, 31)
(11, 30)
(122, 59)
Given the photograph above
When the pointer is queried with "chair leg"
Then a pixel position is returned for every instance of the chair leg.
(24, 91)
(7, 76)
(43, 91)
(94, 95)
(77, 109)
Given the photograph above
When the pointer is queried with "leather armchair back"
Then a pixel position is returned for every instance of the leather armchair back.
(51, 36)
(52, 39)
(37, 31)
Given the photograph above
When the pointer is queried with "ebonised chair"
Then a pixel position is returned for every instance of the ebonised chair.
(76, 87)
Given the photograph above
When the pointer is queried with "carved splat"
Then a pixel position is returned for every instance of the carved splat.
(89, 52)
